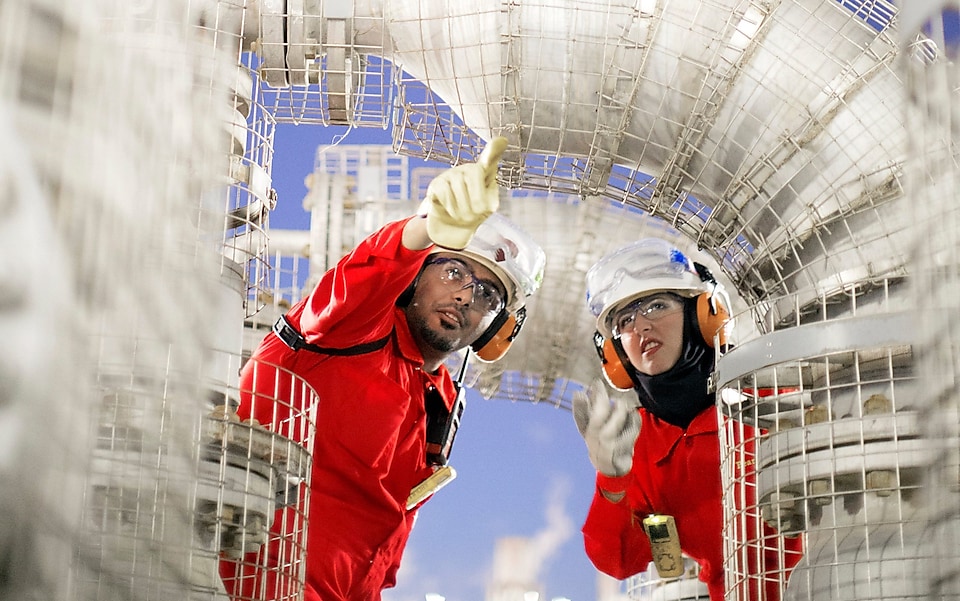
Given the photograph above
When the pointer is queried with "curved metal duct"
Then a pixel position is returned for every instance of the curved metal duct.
(775, 118)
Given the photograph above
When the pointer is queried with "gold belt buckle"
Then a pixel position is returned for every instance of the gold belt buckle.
(664, 545)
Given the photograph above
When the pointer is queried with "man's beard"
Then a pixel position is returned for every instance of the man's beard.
(433, 338)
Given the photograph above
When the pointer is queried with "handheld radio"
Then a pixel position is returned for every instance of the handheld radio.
(442, 425)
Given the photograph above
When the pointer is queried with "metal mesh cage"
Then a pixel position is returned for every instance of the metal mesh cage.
(829, 393)
(123, 122)
(930, 33)
(321, 64)
(255, 501)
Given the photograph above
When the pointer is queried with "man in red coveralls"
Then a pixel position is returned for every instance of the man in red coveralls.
(455, 275)
(657, 316)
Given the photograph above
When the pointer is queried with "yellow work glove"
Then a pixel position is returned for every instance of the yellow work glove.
(462, 197)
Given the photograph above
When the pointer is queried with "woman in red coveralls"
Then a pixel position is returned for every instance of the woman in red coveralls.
(408, 296)
(658, 314)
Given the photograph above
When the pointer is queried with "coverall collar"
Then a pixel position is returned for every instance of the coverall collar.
(668, 436)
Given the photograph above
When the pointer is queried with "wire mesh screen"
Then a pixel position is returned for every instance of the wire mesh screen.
(123, 122)
(769, 135)
(255, 509)
(124, 250)
(930, 31)
(320, 61)
(837, 453)
(245, 203)
(288, 66)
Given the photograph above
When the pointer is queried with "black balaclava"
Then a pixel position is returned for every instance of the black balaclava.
(679, 394)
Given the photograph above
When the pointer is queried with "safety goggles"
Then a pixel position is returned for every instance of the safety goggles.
(457, 275)
(653, 308)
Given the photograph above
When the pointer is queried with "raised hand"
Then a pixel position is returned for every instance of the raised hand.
(462, 197)
(610, 429)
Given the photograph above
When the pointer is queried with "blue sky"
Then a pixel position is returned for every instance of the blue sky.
(522, 468)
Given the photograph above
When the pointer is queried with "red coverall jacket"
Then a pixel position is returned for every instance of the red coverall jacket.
(369, 449)
(675, 472)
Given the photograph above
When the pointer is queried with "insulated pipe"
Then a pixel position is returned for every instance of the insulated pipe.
(790, 134)
(775, 117)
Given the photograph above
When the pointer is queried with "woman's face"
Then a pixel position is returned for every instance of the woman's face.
(651, 332)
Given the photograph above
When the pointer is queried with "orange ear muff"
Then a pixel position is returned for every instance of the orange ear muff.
(711, 321)
(613, 364)
(495, 341)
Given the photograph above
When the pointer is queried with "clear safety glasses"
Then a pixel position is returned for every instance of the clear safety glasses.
(456, 274)
(651, 307)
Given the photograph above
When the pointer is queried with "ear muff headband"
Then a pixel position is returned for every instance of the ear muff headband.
(495, 341)
(711, 315)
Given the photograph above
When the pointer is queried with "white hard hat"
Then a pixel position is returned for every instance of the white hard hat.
(510, 253)
(637, 270)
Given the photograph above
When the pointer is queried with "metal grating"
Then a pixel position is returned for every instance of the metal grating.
(832, 388)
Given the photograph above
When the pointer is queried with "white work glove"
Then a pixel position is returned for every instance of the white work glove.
(462, 197)
(610, 429)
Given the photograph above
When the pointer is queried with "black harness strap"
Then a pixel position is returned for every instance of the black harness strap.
(295, 340)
